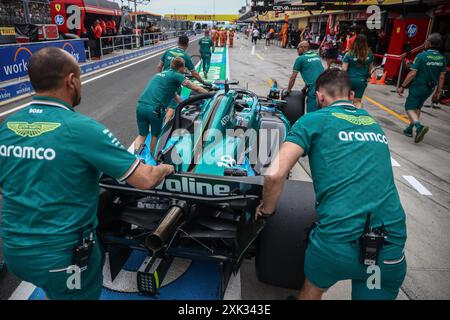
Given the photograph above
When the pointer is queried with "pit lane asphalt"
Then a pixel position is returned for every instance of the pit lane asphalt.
(111, 100)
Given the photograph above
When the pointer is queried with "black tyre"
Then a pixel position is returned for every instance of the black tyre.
(281, 245)
(104, 210)
(295, 106)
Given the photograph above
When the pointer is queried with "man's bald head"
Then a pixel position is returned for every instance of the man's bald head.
(304, 44)
(303, 47)
(434, 40)
(48, 68)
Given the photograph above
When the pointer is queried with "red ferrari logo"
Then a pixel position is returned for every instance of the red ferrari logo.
(58, 7)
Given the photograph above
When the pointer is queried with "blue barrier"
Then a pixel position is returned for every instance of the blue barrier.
(15, 90)
(114, 60)
(14, 58)
(18, 89)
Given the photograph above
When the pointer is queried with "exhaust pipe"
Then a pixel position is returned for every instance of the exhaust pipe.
(167, 227)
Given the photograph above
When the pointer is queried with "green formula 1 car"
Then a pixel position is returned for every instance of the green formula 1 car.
(220, 143)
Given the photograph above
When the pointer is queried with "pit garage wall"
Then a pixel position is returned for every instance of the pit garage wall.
(430, 13)
(15, 90)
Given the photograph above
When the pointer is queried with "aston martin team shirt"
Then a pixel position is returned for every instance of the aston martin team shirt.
(50, 161)
(161, 89)
(206, 45)
(351, 171)
(171, 54)
(310, 67)
(429, 65)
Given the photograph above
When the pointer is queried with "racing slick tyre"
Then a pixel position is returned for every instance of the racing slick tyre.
(281, 246)
(295, 107)
(104, 210)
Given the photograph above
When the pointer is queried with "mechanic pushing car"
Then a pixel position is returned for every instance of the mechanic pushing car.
(50, 162)
(361, 223)
(206, 49)
(310, 67)
(154, 105)
(428, 69)
(179, 51)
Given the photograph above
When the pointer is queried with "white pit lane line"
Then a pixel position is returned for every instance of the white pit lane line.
(413, 181)
(99, 76)
(228, 64)
(23, 291)
(417, 185)
(395, 163)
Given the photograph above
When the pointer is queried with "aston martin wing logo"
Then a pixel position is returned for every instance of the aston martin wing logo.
(26, 129)
(178, 54)
(357, 120)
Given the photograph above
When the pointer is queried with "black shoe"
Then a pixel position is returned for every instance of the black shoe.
(420, 133)
(408, 132)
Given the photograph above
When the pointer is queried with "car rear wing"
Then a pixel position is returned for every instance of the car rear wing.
(197, 188)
